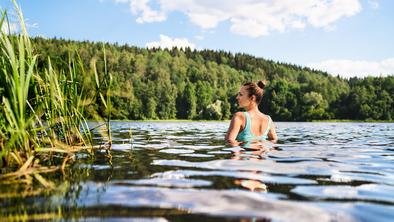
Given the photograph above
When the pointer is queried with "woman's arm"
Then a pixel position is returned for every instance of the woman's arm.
(234, 128)
(272, 137)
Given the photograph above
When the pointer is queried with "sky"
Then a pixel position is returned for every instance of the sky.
(343, 37)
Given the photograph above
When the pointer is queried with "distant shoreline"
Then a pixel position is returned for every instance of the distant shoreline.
(354, 121)
(165, 120)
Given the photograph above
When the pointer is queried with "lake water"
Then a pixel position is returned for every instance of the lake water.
(184, 171)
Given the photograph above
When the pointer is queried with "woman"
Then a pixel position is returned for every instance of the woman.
(251, 125)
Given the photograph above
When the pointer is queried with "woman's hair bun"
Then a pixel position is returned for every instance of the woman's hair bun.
(261, 84)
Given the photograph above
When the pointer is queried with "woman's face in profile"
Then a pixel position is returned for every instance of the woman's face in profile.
(243, 97)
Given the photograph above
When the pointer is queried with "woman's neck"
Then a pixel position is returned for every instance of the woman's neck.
(253, 108)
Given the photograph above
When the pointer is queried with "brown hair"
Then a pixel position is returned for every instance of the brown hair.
(256, 89)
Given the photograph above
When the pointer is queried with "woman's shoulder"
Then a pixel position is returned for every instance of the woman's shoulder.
(239, 115)
(266, 117)
(269, 120)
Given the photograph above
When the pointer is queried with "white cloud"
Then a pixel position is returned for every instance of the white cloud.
(30, 25)
(249, 17)
(323, 13)
(351, 68)
(146, 13)
(168, 42)
(13, 25)
(11, 28)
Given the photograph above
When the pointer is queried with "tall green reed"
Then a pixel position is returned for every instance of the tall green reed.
(17, 66)
(62, 104)
(42, 111)
(103, 91)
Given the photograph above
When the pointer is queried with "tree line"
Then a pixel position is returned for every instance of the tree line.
(190, 84)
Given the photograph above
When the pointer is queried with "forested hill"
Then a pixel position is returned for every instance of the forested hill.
(189, 84)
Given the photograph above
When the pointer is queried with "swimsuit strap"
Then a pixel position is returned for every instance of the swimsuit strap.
(268, 126)
(248, 122)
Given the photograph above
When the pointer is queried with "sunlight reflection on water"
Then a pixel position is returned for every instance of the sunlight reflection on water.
(317, 172)
(313, 165)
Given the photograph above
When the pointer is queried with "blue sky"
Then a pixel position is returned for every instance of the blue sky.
(346, 37)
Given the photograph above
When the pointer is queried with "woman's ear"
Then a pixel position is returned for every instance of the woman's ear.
(253, 98)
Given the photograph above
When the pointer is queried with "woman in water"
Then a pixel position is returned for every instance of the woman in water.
(251, 125)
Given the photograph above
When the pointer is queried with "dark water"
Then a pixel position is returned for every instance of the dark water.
(183, 171)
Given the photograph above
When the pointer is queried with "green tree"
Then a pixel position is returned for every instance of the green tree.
(150, 108)
(158, 77)
(214, 111)
(204, 97)
(314, 106)
(187, 102)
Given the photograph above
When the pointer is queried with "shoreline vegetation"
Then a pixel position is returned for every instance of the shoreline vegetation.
(202, 85)
(42, 111)
(227, 120)
(353, 121)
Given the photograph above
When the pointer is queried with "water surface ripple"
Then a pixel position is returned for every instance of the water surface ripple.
(184, 171)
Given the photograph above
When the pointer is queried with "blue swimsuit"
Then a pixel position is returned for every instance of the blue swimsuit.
(247, 135)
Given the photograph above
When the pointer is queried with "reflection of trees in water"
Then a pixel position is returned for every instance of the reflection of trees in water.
(35, 202)
(89, 175)
(140, 162)
(131, 164)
